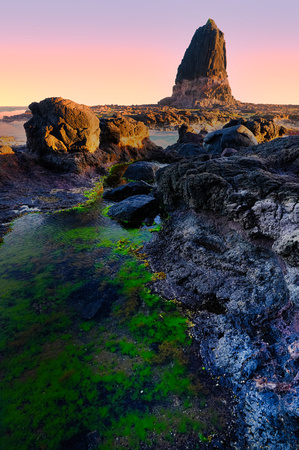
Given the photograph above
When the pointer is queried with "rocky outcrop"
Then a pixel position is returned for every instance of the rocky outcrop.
(127, 190)
(233, 137)
(230, 254)
(66, 136)
(264, 130)
(124, 132)
(63, 134)
(142, 171)
(202, 78)
(135, 209)
(125, 139)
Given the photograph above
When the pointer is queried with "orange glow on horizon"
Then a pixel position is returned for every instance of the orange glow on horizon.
(136, 75)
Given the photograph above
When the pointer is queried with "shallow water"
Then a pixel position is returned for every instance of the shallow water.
(164, 138)
(12, 129)
(121, 378)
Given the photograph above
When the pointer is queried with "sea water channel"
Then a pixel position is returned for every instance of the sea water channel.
(90, 358)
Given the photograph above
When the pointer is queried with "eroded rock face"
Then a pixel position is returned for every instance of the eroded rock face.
(230, 254)
(125, 139)
(123, 132)
(202, 78)
(62, 133)
(232, 137)
(264, 130)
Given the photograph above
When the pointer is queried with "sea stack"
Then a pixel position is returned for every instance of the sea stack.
(202, 78)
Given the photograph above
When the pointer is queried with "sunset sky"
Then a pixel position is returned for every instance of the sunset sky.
(128, 51)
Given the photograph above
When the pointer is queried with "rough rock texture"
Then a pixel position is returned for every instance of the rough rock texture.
(63, 134)
(26, 186)
(264, 130)
(142, 171)
(202, 77)
(127, 190)
(135, 209)
(124, 139)
(236, 137)
(230, 254)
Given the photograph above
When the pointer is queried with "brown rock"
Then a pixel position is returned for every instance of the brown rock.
(202, 78)
(61, 132)
(6, 150)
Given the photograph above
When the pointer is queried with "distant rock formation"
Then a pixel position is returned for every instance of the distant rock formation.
(202, 78)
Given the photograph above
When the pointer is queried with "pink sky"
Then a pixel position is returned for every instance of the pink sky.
(127, 52)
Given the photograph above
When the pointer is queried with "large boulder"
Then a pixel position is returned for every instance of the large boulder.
(201, 77)
(142, 171)
(233, 137)
(124, 139)
(62, 133)
(134, 210)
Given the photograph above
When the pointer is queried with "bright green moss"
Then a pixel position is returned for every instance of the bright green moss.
(62, 375)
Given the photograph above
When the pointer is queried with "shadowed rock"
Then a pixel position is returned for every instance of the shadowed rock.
(232, 137)
(135, 209)
(202, 77)
(127, 190)
(142, 171)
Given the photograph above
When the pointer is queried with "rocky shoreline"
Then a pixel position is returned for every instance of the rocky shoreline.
(228, 252)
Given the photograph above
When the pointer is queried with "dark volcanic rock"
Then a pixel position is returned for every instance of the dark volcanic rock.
(63, 134)
(230, 254)
(127, 190)
(135, 209)
(202, 73)
(205, 56)
(281, 154)
(142, 171)
(233, 137)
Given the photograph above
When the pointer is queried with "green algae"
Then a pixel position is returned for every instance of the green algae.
(124, 374)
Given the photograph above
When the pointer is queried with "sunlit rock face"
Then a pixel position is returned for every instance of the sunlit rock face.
(124, 132)
(202, 78)
(61, 127)
(124, 139)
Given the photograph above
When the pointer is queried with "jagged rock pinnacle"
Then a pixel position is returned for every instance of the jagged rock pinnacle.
(201, 76)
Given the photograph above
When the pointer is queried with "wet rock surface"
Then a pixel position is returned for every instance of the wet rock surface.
(127, 190)
(135, 209)
(26, 186)
(229, 252)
